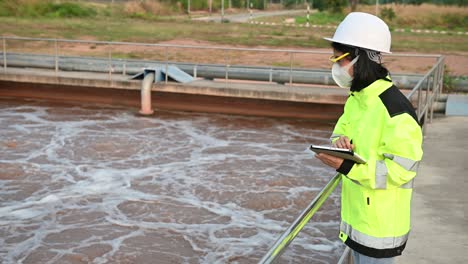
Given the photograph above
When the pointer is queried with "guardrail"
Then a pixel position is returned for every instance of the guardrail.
(292, 62)
(431, 85)
(279, 75)
(426, 92)
(222, 55)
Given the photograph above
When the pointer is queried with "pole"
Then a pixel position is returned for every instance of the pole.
(308, 18)
(167, 61)
(188, 7)
(376, 7)
(226, 75)
(222, 11)
(288, 236)
(56, 55)
(110, 61)
(290, 67)
(4, 55)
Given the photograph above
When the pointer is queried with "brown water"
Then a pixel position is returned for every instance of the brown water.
(101, 185)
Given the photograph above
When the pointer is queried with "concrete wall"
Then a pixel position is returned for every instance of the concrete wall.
(323, 104)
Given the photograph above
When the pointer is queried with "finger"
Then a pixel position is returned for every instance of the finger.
(342, 142)
(331, 161)
(322, 157)
(347, 143)
(338, 142)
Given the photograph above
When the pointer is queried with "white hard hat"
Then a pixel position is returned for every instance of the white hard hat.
(365, 31)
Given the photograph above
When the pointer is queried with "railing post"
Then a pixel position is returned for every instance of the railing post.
(56, 55)
(440, 79)
(290, 67)
(288, 236)
(346, 257)
(439, 82)
(418, 112)
(4, 55)
(166, 76)
(109, 46)
(227, 60)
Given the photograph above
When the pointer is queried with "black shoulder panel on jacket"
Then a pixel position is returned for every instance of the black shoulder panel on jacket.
(397, 103)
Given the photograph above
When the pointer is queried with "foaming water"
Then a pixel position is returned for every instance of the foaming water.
(101, 185)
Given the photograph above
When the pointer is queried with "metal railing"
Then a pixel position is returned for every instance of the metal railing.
(430, 86)
(426, 92)
(287, 237)
(118, 53)
(165, 52)
(433, 83)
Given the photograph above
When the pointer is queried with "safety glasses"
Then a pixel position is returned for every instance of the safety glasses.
(336, 59)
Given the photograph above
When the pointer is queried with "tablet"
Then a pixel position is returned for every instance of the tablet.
(338, 152)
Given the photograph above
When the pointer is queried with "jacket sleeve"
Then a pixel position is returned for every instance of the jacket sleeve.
(397, 157)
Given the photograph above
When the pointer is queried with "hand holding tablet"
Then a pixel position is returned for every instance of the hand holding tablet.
(338, 152)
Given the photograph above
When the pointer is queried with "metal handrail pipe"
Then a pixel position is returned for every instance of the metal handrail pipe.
(209, 71)
(288, 236)
(168, 45)
(204, 47)
(345, 254)
(416, 87)
(46, 61)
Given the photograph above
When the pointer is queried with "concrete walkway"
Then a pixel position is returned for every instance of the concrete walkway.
(439, 206)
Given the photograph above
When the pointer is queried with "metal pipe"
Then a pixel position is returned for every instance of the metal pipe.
(288, 236)
(346, 255)
(146, 94)
(290, 67)
(167, 61)
(227, 63)
(4, 55)
(416, 87)
(56, 56)
(209, 71)
(211, 47)
(109, 46)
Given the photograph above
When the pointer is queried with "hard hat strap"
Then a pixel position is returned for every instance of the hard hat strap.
(374, 56)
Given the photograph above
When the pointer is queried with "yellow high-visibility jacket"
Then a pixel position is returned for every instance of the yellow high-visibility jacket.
(376, 196)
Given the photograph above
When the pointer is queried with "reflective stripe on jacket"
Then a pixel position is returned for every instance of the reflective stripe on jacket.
(376, 196)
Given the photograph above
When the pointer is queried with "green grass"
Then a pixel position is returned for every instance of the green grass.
(46, 8)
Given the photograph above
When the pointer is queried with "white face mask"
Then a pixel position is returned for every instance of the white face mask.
(340, 74)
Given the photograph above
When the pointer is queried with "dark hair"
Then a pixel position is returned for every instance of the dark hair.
(366, 71)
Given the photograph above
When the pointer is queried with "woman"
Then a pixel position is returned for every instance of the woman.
(380, 124)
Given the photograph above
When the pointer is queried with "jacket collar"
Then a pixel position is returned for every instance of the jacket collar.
(367, 95)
